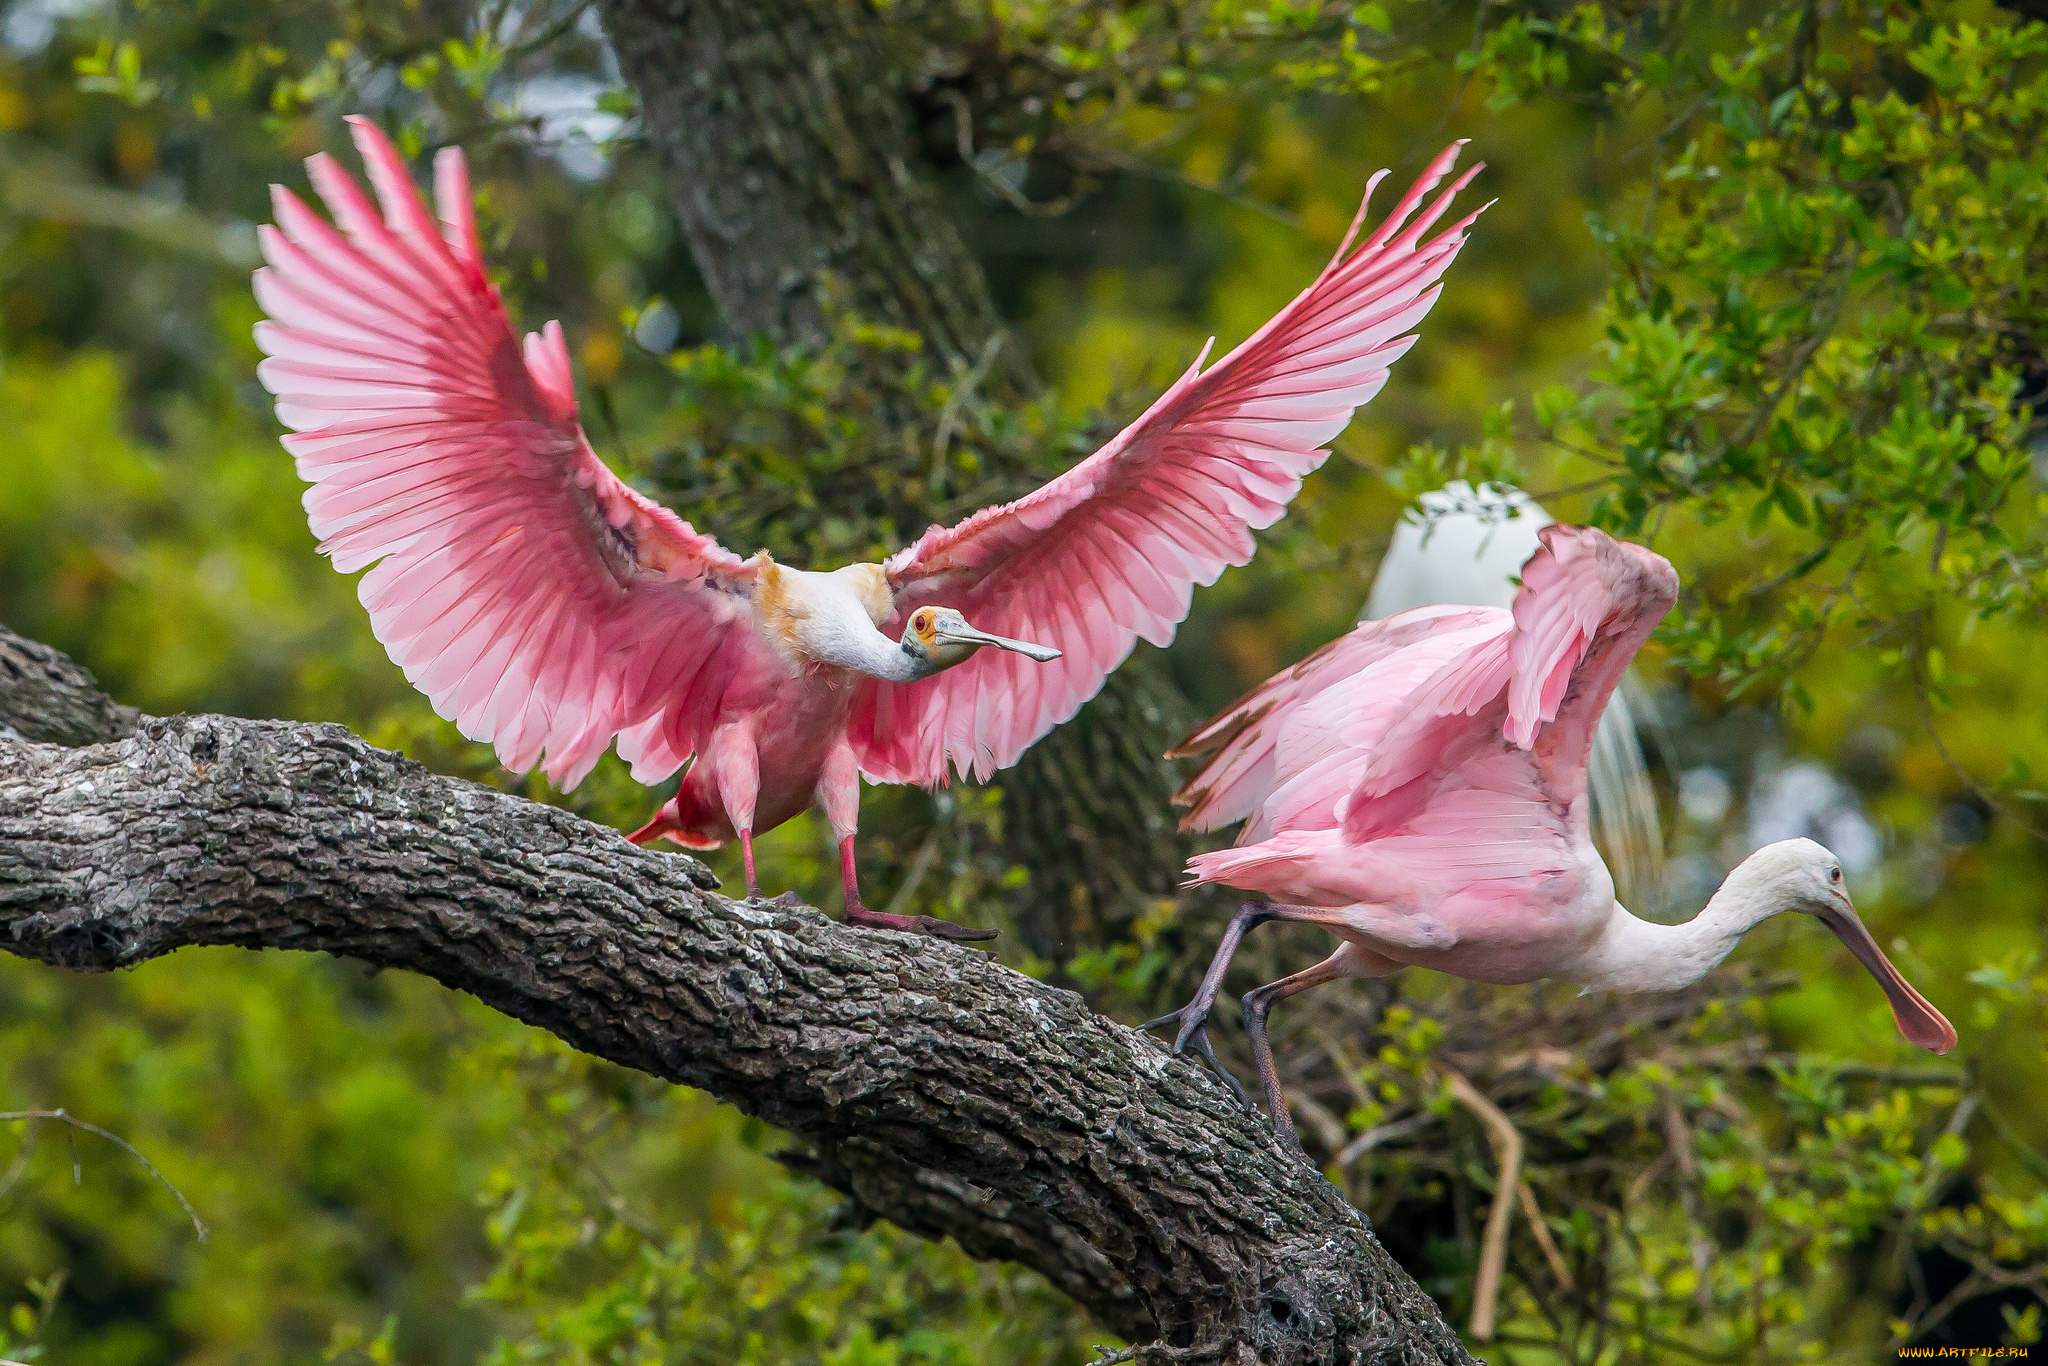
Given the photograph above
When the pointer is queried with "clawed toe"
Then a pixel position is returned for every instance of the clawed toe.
(1193, 1019)
(1154, 1024)
(1207, 1052)
(946, 929)
(1194, 1033)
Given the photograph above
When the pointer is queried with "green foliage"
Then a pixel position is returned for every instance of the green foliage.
(100, 532)
(847, 453)
(1823, 332)
(591, 1273)
(325, 1123)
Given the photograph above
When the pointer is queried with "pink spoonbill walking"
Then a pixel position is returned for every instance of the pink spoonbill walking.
(548, 608)
(1418, 788)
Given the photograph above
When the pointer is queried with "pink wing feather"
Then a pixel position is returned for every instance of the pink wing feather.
(1408, 698)
(541, 604)
(1111, 550)
(1447, 742)
(1248, 766)
(1586, 605)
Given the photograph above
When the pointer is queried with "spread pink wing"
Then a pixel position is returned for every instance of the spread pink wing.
(1244, 739)
(1448, 764)
(539, 602)
(1322, 750)
(1111, 550)
(1586, 605)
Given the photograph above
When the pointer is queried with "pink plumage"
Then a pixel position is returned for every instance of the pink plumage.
(1111, 550)
(549, 609)
(537, 600)
(1418, 788)
(1381, 745)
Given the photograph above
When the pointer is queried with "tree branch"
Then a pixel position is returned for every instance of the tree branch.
(48, 697)
(943, 1091)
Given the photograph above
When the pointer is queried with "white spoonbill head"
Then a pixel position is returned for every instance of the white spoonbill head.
(1805, 876)
(941, 637)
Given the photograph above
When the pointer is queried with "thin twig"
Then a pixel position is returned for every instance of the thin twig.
(963, 142)
(62, 1116)
(555, 29)
(1493, 1244)
(2029, 1156)
(1383, 1133)
(1801, 357)
(950, 414)
(1154, 171)
(1534, 1215)
(1643, 1179)
(20, 1163)
(1858, 1071)
(1924, 704)
(1680, 1134)
(1966, 1290)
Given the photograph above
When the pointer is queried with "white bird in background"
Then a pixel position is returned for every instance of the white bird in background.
(1466, 549)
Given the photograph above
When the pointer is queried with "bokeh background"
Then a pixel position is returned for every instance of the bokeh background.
(1757, 1171)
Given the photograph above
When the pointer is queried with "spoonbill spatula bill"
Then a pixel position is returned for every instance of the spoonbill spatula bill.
(1418, 788)
(546, 607)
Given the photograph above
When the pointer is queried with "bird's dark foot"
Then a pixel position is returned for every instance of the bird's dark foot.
(1193, 1019)
(1282, 1124)
(915, 924)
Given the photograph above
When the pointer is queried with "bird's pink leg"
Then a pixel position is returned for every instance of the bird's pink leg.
(1194, 1016)
(736, 772)
(849, 878)
(747, 858)
(1348, 961)
(839, 794)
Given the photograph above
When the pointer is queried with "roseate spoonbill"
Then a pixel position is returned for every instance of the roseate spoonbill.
(1418, 788)
(547, 607)
(1466, 547)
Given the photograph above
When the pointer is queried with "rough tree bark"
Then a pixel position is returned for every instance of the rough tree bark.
(939, 1089)
(47, 697)
(792, 160)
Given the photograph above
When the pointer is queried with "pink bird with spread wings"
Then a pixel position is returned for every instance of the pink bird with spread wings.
(1418, 788)
(547, 608)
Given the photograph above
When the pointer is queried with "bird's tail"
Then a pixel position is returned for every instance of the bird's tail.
(687, 820)
(1238, 867)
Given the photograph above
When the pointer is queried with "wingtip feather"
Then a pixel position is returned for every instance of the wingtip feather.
(457, 206)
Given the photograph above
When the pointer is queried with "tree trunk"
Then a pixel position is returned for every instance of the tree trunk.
(941, 1090)
(793, 163)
